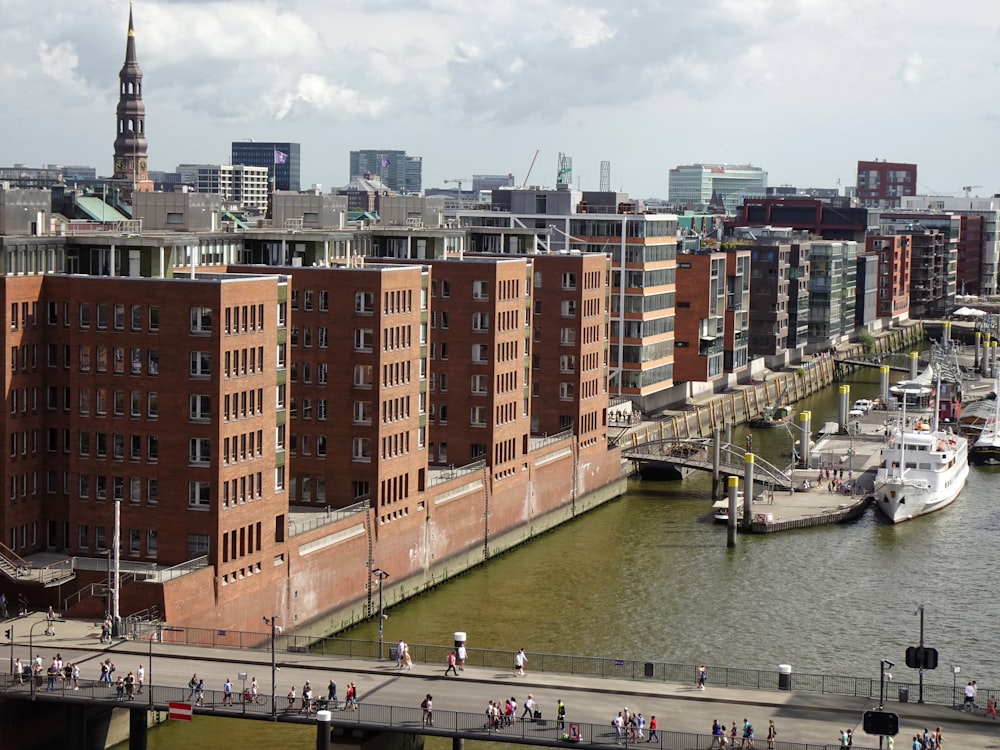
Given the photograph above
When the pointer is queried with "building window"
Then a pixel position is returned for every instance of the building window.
(480, 321)
(566, 391)
(201, 320)
(199, 451)
(84, 534)
(201, 408)
(152, 543)
(478, 416)
(480, 353)
(364, 303)
(201, 364)
(119, 316)
(153, 491)
(567, 363)
(362, 339)
(199, 495)
(568, 308)
(569, 281)
(361, 449)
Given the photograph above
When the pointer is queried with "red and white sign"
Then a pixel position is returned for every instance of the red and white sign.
(181, 711)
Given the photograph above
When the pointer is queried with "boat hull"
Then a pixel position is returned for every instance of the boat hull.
(985, 455)
(901, 500)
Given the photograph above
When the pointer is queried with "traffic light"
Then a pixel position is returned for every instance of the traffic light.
(6, 634)
(881, 722)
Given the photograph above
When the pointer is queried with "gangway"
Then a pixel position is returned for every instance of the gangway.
(696, 453)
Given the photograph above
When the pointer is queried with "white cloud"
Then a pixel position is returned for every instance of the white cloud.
(911, 70)
(59, 62)
(316, 93)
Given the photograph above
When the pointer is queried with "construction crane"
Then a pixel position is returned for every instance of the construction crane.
(530, 167)
(458, 181)
(969, 188)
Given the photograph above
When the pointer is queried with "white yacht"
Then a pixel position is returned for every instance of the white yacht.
(922, 470)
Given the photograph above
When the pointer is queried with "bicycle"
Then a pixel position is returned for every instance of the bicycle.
(249, 697)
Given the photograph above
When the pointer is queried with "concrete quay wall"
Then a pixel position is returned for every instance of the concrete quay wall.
(323, 582)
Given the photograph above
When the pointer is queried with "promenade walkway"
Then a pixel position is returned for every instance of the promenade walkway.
(808, 718)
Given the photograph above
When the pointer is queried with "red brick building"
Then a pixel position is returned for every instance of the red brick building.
(882, 184)
(894, 257)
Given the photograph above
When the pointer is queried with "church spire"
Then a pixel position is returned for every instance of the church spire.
(130, 137)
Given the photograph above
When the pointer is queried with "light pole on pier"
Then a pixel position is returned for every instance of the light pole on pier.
(274, 667)
(380, 575)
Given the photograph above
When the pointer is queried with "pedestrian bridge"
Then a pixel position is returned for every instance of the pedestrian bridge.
(698, 454)
(346, 726)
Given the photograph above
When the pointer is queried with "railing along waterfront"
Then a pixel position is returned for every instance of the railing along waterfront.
(323, 518)
(589, 666)
(408, 719)
(440, 476)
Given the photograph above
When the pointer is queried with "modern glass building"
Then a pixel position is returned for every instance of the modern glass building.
(283, 161)
(697, 184)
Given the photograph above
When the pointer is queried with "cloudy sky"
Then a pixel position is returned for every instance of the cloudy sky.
(802, 88)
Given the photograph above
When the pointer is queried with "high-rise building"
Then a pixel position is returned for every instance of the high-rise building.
(282, 159)
(398, 172)
(243, 186)
(131, 166)
(979, 238)
(700, 184)
(882, 184)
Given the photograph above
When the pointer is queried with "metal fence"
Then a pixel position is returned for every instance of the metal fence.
(410, 719)
(589, 666)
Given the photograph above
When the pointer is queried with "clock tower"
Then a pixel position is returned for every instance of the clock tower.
(130, 140)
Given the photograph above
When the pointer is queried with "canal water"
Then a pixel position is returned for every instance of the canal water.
(649, 577)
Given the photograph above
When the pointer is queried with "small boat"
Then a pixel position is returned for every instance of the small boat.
(923, 469)
(772, 416)
(863, 405)
(986, 448)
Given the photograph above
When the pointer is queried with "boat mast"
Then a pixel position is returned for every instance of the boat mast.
(937, 398)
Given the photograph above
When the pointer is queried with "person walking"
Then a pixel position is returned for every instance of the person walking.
(529, 708)
(427, 705)
(653, 729)
(130, 685)
(227, 693)
(331, 693)
(192, 685)
(400, 649)
(462, 653)
(718, 735)
(560, 715)
(407, 661)
(451, 665)
(199, 693)
(970, 697)
(618, 722)
(772, 734)
(702, 676)
(640, 725)
(140, 678)
(843, 738)
(520, 659)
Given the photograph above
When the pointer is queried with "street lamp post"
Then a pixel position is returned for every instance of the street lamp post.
(31, 650)
(955, 669)
(920, 609)
(381, 575)
(881, 689)
(274, 667)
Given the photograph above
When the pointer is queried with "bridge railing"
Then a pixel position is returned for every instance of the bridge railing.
(591, 666)
(472, 725)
